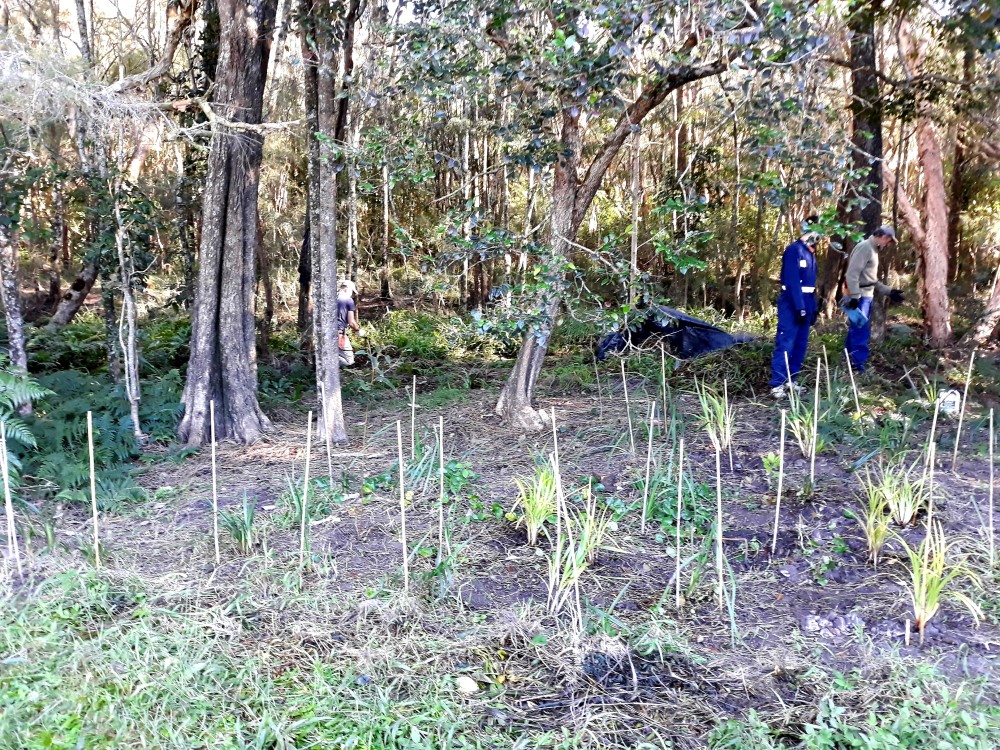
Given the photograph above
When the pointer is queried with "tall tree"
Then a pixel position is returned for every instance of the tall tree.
(861, 206)
(222, 366)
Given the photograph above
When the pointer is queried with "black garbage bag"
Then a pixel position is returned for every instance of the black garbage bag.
(685, 337)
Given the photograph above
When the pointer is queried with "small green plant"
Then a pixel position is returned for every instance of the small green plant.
(902, 486)
(772, 462)
(932, 574)
(591, 526)
(537, 501)
(718, 417)
(875, 520)
(239, 525)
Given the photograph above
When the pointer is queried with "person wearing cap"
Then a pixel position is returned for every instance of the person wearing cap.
(796, 309)
(862, 283)
(346, 319)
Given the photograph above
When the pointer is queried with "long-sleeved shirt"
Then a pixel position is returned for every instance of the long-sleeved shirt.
(862, 271)
(798, 276)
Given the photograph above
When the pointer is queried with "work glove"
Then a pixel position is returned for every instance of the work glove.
(853, 303)
(803, 317)
(896, 297)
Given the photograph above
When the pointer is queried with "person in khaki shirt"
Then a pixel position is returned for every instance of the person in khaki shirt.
(862, 283)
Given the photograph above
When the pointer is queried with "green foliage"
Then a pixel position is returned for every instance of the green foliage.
(239, 525)
(323, 500)
(60, 465)
(164, 343)
(536, 501)
(78, 345)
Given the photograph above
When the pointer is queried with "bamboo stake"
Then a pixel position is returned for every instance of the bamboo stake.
(413, 420)
(931, 438)
(649, 459)
(628, 409)
(441, 493)
(15, 550)
(718, 537)
(305, 491)
(402, 508)
(781, 479)
(992, 541)
(854, 385)
(93, 490)
(729, 431)
(326, 433)
(961, 413)
(663, 385)
(829, 385)
(680, 510)
(215, 489)
(815, 435)
(788, 373)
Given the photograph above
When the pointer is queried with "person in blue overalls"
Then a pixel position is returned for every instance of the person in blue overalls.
(796, 310)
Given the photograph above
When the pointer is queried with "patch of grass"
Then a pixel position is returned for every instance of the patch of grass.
(443, 397)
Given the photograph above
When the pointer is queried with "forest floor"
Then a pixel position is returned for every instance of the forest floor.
(270, 653)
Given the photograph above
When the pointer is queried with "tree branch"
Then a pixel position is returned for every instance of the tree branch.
(652, 96)
(907, 212)
(180, 14)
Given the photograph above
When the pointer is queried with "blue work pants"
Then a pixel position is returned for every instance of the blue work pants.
(858, 336)
(792, 338)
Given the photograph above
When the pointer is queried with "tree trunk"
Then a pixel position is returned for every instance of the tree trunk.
(304, 318)
(385, 290)
(571, 198)
(74, 297)
(264, 272)
(129, 342)
(986, 324)
(13, 312)
(862, 203)
(934, 279)
(223, 362)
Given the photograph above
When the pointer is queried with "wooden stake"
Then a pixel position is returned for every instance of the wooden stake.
(12, 545)
(628, 409)
(718, 539)
(305, 491)
(788, 372)
(402, 507)
(729, 430)
(93, 490)
(829, 385)
(326, 433)
(649, 460)
(854, 385)
(989, 525)
(215, 489)
(932, 436)
(413, 420)
(815, 435)
(961, 413)
(663, 384)
(441, 494)
(680, 510)
(781, 479)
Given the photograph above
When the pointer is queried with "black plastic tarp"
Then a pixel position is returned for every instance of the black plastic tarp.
(685, 336)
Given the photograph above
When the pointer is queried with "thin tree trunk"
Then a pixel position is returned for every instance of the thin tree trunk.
(223, 363)
(74, 297)
(264, 273)
(13, 312)
(304, 319)
(385, 290)
(129, 343)
(633, 271)
(934, 279)
(987, 322)
(862, 203)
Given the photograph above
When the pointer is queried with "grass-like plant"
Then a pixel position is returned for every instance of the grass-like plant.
(902, 486)
(591, 527)
(718, 417)
(875, 521)
(239, 525)
(537, 501)
(932, 574)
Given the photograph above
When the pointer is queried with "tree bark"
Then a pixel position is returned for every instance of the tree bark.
(223, 363)
(571, 198)
(934, 279)
(862, 203)
(13, 312)
(74, 297)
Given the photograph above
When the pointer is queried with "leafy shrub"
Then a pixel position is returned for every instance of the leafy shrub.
(60, 465)
(16, 390)
(78, 345)
(165, 343)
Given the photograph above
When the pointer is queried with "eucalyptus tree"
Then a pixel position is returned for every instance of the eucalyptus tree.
(222, 366)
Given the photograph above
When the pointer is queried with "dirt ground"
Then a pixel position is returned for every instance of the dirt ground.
(815, 601)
